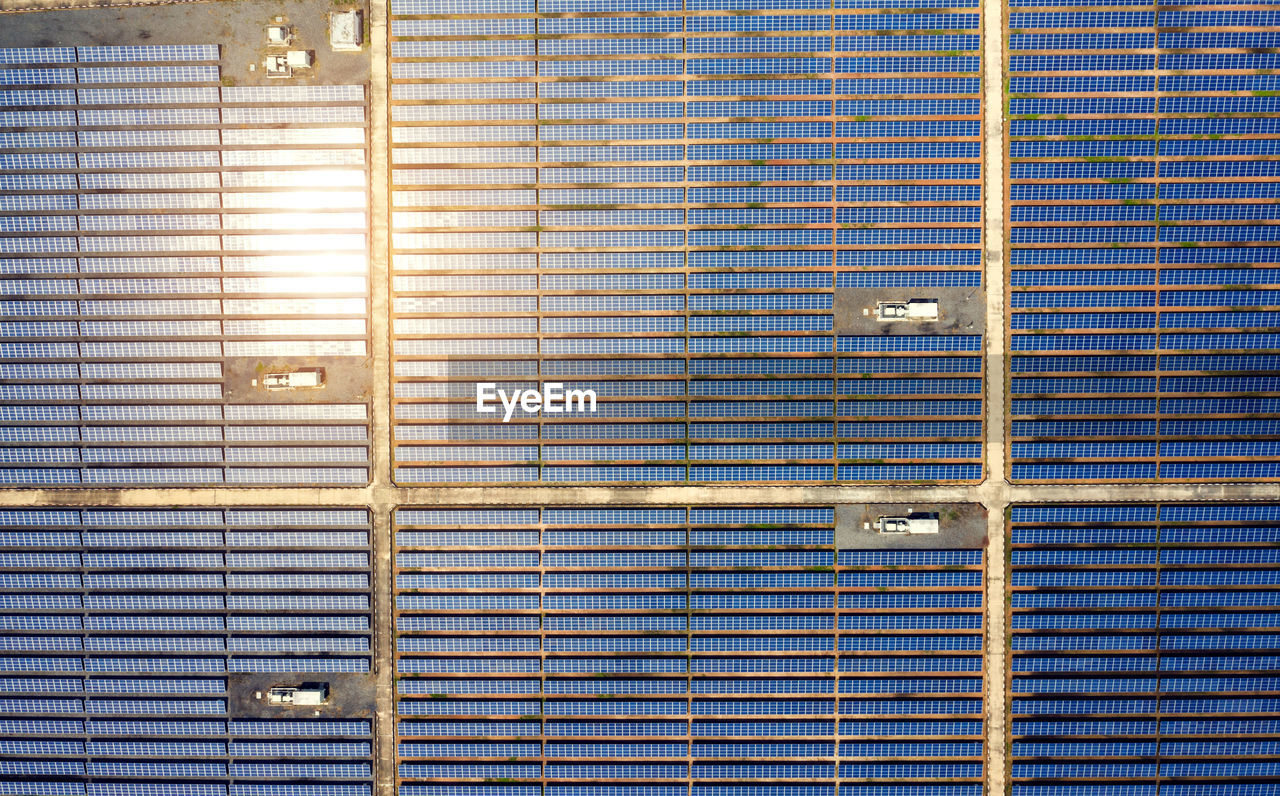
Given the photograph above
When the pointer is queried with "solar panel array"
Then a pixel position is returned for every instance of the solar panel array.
(160, 234)
(685, 207)
(673, 651)
(1142, 232)
(1144, 645)
(120, 631)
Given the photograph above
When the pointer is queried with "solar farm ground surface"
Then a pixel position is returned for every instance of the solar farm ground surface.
(688, 207)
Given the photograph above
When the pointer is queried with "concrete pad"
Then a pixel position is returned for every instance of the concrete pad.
(346, 380)
(962, 526)
(239, 27)
(351, 696)
(961, 310)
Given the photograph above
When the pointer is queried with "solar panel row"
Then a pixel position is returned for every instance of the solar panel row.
(689, 212)
(1140, 159)
(159, 257)
(722, 650)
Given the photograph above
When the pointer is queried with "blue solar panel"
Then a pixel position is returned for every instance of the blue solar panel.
(1104, 140)
(163, 149)
(630, 624)
(1193, 553)
(153, 675)
(577, 223)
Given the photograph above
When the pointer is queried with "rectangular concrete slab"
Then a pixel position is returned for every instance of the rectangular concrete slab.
(961, 310)
(961, 526)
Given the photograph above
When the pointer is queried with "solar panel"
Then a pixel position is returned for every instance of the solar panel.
(1151, 613)
(144, 53)
(1088, 136)
(156, 616)
(585, 208)
(132, 162)
(683, 597)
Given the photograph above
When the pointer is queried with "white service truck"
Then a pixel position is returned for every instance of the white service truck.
(306, 379)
